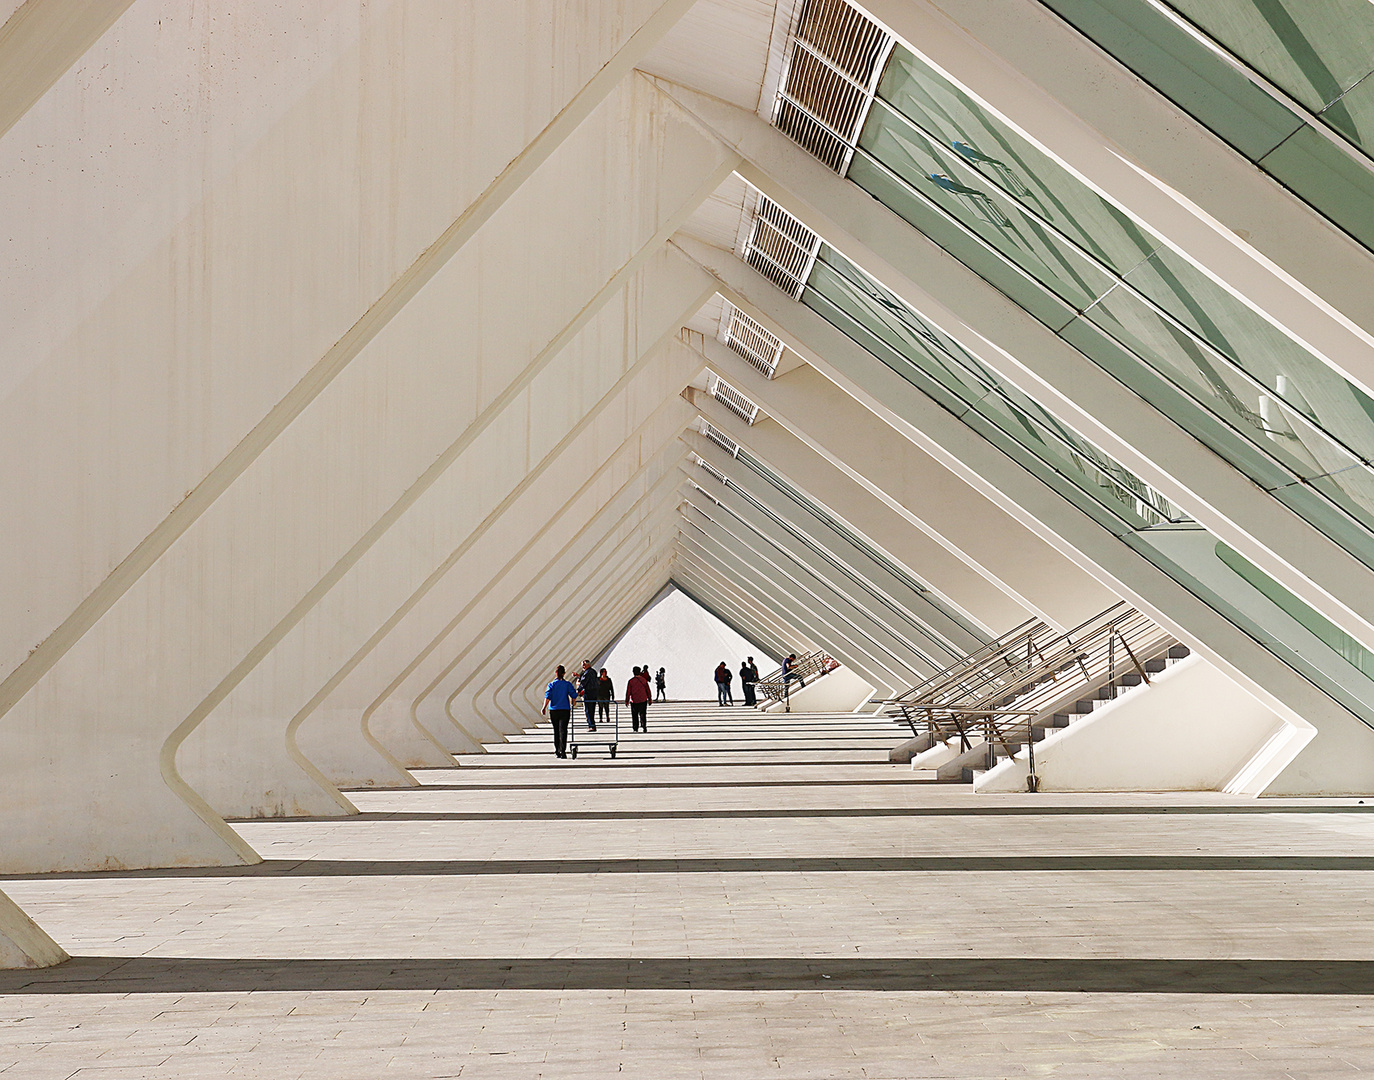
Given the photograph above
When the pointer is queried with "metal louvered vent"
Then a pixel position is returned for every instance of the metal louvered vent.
(733, 400)
(751, 340)
(835, 58)
(781, 248)
(720, 438)
(720, 476)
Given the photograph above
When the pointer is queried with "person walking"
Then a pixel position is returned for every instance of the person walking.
(637, 694)
(748, 676)
(589, 689)
(661, 682)
(723, 677)
(559, 696)
(605, 694)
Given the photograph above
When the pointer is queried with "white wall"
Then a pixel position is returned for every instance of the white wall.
(686, 639)
(842, 690)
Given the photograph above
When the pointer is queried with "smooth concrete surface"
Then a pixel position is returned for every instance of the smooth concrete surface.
(734, 895)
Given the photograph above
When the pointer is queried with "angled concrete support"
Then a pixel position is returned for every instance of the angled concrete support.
(779, 553)
(1027, 354)
(914, 613)
(826, 626)
(977, 529)
(22, 943)
(184, 616)
(752, 618)
(1124, 564)
(40, 41)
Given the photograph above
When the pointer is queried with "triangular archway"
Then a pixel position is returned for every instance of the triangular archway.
(677, 632)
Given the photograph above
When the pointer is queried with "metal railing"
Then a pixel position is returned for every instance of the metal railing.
(1000, 694)
(778, 688)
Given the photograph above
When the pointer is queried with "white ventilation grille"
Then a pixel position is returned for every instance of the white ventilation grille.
(719, 476)
(743, 334)
(733, 400)
(781, 248)
(835, 59)
(720, 438)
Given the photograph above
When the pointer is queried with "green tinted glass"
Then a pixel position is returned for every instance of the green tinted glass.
(883, 324)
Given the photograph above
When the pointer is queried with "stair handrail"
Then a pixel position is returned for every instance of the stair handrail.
(1002, 695)
(808, 667)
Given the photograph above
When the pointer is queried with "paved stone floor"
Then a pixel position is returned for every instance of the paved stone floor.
(734, 895)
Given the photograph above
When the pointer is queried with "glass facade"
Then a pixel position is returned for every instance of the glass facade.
(1285, 82)
(1154, 321)
(1136, 308)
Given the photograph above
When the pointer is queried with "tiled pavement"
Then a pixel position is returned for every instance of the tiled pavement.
(734, 895)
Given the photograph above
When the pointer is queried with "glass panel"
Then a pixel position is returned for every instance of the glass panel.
(1335, 638)
(886, 327)
(954, 237)
(1267, 612)
(947, 179)
(1315, 50)
(1338, 185)
(1001, 157)
(1185, 70)
(1270, 357)
(1353, 115)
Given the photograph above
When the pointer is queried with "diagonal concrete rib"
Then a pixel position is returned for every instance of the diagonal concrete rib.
(417, 275)
(40, 42)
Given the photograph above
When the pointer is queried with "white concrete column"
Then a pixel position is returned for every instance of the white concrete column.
(480, 662)
(740, 596)
(863, 627)
(911, 482)
(501, 686)
(240, 579)
(828, 626)
(940, 634)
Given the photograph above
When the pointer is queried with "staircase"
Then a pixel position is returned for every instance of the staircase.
(1002, 699)
(772, 688)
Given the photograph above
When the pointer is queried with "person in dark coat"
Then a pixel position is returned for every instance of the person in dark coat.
(589, 689)
(723, 679)
(637, 695)
(748, 676)
(605, 694)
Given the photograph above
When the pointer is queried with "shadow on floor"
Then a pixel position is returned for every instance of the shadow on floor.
(802, 812)
(154, 975)
(308, 868)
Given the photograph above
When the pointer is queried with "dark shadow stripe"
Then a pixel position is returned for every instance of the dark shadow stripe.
(790, 813)
(633, 758)
(156, 975)
(647, 785)
(309, 868)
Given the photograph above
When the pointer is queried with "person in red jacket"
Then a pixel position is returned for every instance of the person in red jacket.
(637, 695)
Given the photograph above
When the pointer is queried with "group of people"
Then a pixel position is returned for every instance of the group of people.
(596, 690)
(748, 676)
